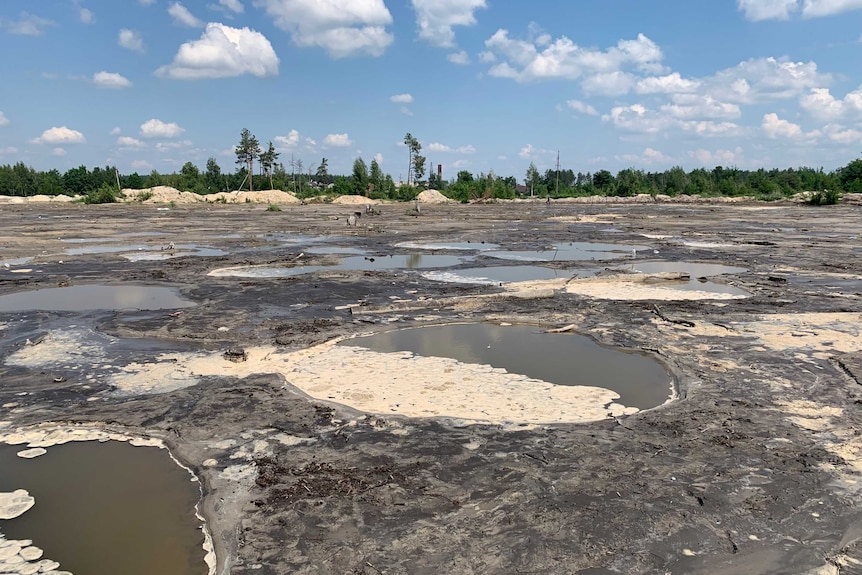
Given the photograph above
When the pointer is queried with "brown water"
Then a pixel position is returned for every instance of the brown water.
(107, 508)
(562, 359)
(93, 297)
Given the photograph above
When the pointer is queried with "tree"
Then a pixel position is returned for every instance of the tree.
(267, 161)
(532, 179)
(416, 164)
(212, 177)
(246, 152)
(360, 177)
(376, 178)
(603, 180)
(851, 176)
(189, 175)
(322, 173)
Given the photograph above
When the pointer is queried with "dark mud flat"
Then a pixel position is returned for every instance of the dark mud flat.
(755, 468)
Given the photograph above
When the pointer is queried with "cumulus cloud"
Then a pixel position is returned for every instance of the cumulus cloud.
(640, 119)
(669, 84)
(460, 58)
(341, 27)
(142, 165)
(129, 142)
(539, 59)
(4, 121)
(438, 147)
(183, 17)
(157, 129)
(234, 6)
(581, 107)
(110, 80)
(337, 140)
(378, 157)
(821, 104)
(84, 15)
(58, 152)
(8, 150)
(402, 98)
(759, 80)
(757, 10)
(436, 18)
(818, 8)
(130, 40)
(842, 135)
(774, 127)
(223, 52)
(61, 135)
(290, 141)
(649, 156)
(115, 131)
(146, 2)
(693, 106)
(26, 25)
(609, 84)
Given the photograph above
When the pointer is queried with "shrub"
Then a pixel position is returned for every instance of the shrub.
(104, 195)
(273, 208)
(824, 198)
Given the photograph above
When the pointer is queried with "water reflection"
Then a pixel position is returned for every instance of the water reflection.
(94, 297)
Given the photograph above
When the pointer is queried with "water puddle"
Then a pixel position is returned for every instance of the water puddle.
(341, 250)
(574, 251)
(14, 262)
(94, 297)
(448, 246)
(493, 275)
(698, 273)
(139, 252)
(561, 359)
(356, 263)
(101, 508)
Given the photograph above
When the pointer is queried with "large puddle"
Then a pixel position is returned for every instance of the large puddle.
(139, 252)
(698, 274)
(356, 263)
(493, 275)
(562, 359)
(102, 508)
(573, 251)
(94, 297)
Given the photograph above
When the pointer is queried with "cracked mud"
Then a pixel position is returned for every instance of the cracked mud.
(753, 468)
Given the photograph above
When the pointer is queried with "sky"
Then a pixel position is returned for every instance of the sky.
(484, 85)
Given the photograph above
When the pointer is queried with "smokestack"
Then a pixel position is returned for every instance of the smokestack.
(440, 172)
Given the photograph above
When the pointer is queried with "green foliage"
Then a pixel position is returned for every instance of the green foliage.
(273, 208)
(824, 198)
(246, 152)
(143, 196)
(104, 195)
(359, 179)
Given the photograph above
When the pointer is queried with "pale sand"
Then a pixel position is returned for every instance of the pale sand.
(636, 287)
(15, 504)
(354, 200)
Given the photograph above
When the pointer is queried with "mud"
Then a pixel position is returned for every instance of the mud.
(755, 468)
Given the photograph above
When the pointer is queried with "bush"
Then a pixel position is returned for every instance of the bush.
(143, 196)
(824, 198)
(104, 195)
(273, 208)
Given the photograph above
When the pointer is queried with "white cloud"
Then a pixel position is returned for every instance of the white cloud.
(640, 119)
(757, 10)
(4, 121)
(764, 79)
(402, 98)
(130, 40)
(61, 135)
(581, 107)
(129, 142)
(818, 8)
(116, 131)
(378, 157)
(223, 52)
(842, 135)
(438, 147)
(337, 140)
(526, 61)
(649, 156)
(669, 84)
(821, 104)
(341, 27)
(110, 80)
(58, 152)
(694, 106)
(8, 150)
(609, 84)
(436, 18)
(406, 111)
(146, 2)
(157, 129)
(774, 127)
(234, 6)
(468, 149)
(526, 152)
(290, 141)
(460, 58)
(142, 165)
(718, 157)
(84, 15)
(26, 25)
(183, 17)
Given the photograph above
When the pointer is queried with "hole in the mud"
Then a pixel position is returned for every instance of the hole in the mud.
(559, 358)
(571, 251)
(697, 274)
(94, 297)
(493, 275)
(356, 263)
(106, 508)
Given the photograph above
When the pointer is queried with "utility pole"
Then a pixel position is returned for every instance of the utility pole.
(557, 187)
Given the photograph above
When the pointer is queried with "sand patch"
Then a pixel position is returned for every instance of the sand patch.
(636, 287)
(432, 197)
(816, 331)
(415, 386)
(15, 504)
(352, 200)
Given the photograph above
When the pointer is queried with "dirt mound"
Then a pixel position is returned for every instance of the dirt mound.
(261, 197)
(160, 195)
(354, 200)
(432, 197)
(37, 199)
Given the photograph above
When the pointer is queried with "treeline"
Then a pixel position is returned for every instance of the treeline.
(371, 181)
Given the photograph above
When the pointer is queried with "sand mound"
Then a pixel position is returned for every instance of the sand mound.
(37, 199)
(432, 197)
(354, 200)
(261, 197)
(160, 195)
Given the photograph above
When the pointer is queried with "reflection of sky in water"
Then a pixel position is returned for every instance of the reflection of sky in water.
(447, 246)
(394, 262)
(577, 251)
(117, 509)
(334, 250)
(695, 270)
(137, 252)
(504, 274)
(15, 262)
(94, 297)
(563, 359)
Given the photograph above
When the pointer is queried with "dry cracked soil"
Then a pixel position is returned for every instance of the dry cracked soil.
(753, 467)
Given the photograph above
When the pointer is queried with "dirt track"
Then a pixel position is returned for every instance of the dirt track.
(754, 469)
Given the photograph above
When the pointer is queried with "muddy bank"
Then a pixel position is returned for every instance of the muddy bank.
(753, 469)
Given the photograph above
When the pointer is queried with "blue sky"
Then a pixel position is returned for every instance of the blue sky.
(483, 84)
